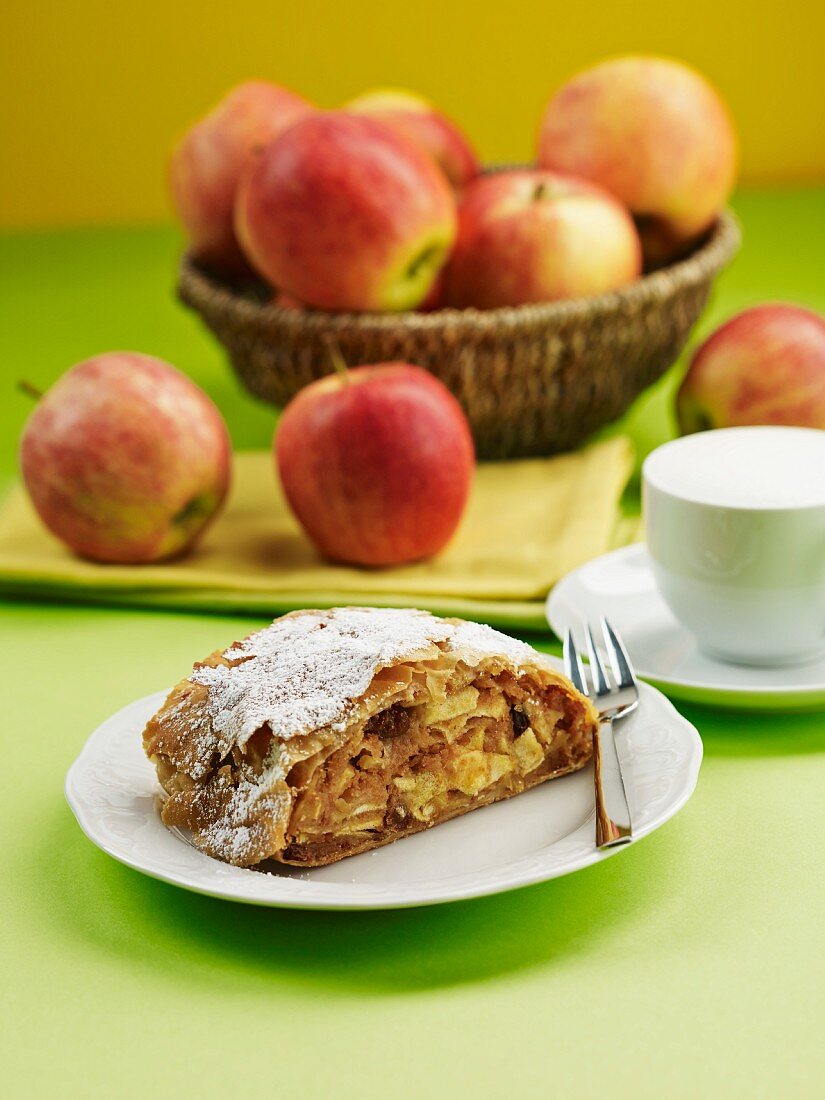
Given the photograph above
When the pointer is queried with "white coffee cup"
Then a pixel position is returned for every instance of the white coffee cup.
(735, 526)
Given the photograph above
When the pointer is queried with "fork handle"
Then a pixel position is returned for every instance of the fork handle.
(612, 812)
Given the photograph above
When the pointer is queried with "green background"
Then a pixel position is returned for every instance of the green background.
(689, 965)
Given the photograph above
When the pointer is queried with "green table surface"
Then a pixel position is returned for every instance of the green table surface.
(691, 965)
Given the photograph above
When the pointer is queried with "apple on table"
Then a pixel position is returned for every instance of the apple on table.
(376, 463)
(766, 365)
(125, 459)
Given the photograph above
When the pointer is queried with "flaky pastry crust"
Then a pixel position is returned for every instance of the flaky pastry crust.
(332, 732)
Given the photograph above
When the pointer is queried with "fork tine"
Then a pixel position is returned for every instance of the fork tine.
(601, 684)
(567, 653)
(572, 663)
(619, 660)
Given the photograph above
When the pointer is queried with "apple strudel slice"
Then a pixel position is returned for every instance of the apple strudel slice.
(332, 732)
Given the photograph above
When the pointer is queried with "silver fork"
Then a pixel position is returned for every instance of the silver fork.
(613, 700)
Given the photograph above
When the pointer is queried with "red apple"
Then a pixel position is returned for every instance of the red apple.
(764, 366)
(531, 236)
(208, 162)
(656, 135)
(422, 122)
(376, 463)
(344, 213)
(125, 459)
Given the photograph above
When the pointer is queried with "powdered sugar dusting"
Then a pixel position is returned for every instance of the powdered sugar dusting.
(233, 833)
(304, 671)
(487, 642)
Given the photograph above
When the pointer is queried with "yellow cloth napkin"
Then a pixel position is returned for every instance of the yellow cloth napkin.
(526, 525)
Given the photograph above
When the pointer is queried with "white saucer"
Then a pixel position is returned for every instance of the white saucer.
(543, 833)
(620, 586)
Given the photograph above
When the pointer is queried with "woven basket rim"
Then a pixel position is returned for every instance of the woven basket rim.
(196, 287)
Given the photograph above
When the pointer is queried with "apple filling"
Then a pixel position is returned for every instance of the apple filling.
(461, 741)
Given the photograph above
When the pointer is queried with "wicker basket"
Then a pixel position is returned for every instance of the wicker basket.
(533, 380)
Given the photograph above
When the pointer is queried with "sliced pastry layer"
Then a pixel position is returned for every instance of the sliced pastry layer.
(332, 732)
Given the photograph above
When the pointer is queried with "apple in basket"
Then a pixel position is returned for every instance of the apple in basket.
(764, 366)
(656, 135)
(207, 163)
(344, 213)
(376, 463)
(533, 236)
(423, 123)
(125, 459)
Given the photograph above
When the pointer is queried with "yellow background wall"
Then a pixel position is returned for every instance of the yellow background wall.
(93, 92)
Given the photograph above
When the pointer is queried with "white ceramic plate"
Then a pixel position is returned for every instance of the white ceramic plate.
(620, 586)
(541, 834)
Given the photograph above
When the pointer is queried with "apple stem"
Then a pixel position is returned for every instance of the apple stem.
(337, 358)
(29, 389)
(540, 191)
